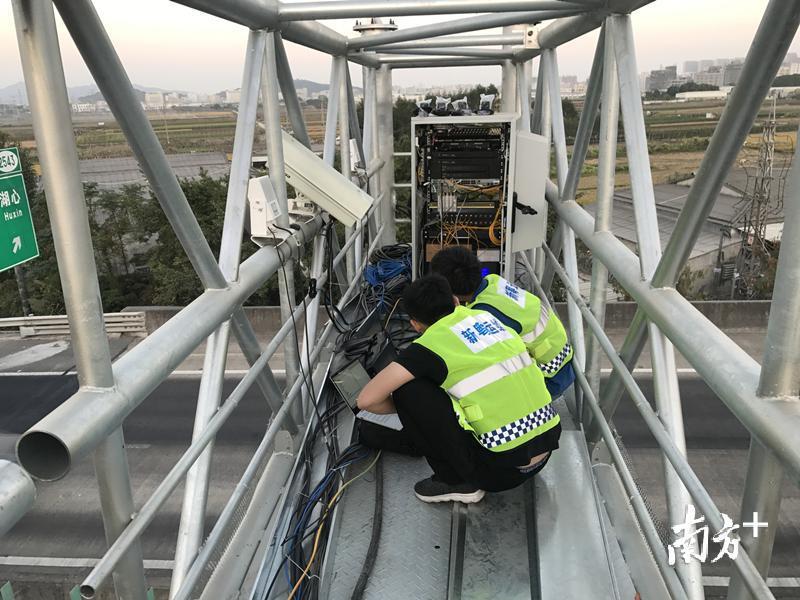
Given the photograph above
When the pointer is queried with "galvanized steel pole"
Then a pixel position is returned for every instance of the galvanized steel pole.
(293, 108)
(606, 170)
(340, 63)
(348, 9)
(567, 234)
(579, 148)
(385, 136)
(277, 176)
(190, 530)
(52, 123)
(457, 41)
(665, 377)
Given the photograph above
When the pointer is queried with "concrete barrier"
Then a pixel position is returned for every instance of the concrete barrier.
(266, 320)
(725, 314)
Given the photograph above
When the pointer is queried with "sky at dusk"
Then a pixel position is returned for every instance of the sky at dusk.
(170, 46)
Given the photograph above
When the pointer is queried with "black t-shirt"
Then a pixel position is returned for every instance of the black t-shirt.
(423, 363)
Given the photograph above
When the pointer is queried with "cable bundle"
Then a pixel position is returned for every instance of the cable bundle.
(386, 275)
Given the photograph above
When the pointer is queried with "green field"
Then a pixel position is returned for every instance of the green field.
(202, 131)
(678, 134)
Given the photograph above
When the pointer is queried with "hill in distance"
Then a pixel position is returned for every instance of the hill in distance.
(16, 93)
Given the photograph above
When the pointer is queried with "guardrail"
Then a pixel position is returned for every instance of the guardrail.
(128, 323)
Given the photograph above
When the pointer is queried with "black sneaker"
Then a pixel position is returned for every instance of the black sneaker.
(433, 490)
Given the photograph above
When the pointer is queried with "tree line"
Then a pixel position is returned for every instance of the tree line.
(139, 259)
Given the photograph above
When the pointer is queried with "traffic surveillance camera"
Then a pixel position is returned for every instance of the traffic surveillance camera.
(323, 185)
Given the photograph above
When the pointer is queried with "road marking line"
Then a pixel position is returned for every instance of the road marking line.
(33, 354)
(774, 582)
(72, 563)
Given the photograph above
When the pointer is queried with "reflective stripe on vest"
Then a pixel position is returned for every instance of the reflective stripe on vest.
(554, 366)
(489, 375)
(518, 428)
(541, 324)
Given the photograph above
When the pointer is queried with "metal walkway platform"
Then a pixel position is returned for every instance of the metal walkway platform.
(414, 548)
(549, 538)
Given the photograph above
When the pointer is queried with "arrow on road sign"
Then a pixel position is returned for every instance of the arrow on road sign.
(17, 244)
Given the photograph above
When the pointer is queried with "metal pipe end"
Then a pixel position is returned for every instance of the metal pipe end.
(87, 591)
(43, 455)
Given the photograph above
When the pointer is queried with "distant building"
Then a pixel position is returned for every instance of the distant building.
(172, 99)
(720, 94)
(711, 77)
(661, 79)
(302, 93)
(571, 87)
(691, 66)
(723, 62)
(731, 73)
(232, 96)
(154, 100)
(705, 65)
(82, 107)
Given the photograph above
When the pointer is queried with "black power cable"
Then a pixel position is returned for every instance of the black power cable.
(375, 537)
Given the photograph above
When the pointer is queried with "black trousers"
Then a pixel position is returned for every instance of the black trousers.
(430, 428)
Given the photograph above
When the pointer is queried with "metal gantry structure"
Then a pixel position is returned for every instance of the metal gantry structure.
(763, 397)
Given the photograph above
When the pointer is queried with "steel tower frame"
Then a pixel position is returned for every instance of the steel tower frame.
(763, 397)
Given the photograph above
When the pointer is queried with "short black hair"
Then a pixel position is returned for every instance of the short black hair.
(428, 299)
(460, 267)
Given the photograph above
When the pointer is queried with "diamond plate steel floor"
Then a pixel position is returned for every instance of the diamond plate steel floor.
(413, 554)
(496, 562)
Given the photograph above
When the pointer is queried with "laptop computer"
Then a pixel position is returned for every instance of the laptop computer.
(349, 382)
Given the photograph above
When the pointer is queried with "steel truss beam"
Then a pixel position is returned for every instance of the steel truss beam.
(467, 52)
(429, 62)
(348, 9)
(464, 25)
(457, 41)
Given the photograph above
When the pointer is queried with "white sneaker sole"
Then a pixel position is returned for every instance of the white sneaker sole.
(472, 498)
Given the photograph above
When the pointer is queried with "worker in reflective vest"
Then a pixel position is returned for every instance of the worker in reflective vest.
(535, 322)
(468, 395)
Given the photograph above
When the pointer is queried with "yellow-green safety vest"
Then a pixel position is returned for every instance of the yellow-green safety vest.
(541, 329)
(496, 388)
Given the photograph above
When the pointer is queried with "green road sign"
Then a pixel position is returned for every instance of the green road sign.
(17, 237)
